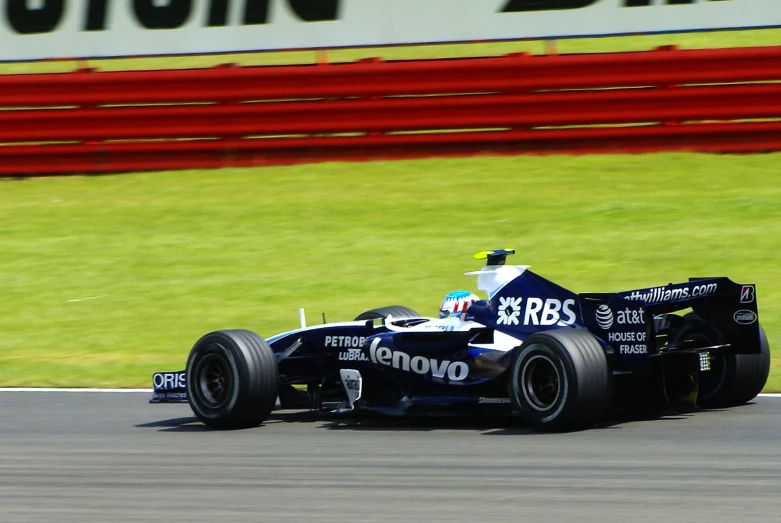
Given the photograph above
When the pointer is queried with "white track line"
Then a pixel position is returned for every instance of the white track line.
(149, 391)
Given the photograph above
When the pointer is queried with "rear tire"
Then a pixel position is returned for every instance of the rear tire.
(560, 380)
(382, 313)
(232, 379)
(739, 378)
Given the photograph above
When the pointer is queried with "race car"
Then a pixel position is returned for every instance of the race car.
(532, 349)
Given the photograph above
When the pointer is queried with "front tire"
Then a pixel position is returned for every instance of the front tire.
(560, 380)
(232, 379)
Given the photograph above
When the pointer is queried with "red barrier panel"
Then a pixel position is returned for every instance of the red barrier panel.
(357, 110)
(395, 114)
(513, 73)
(119, 157)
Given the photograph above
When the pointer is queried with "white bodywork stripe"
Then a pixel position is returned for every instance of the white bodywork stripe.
(317, 327)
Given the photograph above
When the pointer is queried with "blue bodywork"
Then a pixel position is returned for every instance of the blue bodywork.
(462, 363)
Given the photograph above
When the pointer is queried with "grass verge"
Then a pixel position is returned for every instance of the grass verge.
(109, 278)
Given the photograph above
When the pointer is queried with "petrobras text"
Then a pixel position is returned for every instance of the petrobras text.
(45, 29)
(454, 370)
(344, 341)
(352, 355)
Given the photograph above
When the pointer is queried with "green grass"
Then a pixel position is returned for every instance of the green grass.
(109, 278)
(761, 37)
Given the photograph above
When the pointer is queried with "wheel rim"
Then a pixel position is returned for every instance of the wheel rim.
(213, 379)
(541, 383)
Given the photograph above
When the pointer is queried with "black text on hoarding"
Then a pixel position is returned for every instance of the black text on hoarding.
(43, 16)
(515, 6)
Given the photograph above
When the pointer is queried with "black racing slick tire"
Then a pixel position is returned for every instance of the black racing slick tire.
(560, 380)
(232, 379)
(734, 379)
(381, 313)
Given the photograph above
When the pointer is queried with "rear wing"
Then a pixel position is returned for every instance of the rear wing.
(625, 320)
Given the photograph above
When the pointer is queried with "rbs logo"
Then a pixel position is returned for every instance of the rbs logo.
(536, 311)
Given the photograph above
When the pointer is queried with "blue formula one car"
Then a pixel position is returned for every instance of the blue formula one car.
(533, 349)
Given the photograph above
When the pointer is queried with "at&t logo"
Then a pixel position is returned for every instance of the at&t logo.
(604, 317)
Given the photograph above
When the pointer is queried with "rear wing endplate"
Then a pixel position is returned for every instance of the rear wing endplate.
(625, 320)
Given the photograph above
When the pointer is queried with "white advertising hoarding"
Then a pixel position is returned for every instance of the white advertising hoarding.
(40, 29)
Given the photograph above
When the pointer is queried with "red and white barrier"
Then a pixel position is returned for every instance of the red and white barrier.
(726, 100)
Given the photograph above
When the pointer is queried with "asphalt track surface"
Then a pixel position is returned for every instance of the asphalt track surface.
(92, 457)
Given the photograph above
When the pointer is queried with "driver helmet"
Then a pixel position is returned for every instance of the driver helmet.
(456, 303)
